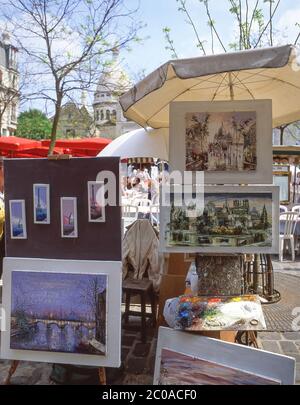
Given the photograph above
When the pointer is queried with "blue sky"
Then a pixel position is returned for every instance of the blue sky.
(160, 13)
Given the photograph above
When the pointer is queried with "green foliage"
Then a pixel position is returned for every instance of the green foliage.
(34, 124)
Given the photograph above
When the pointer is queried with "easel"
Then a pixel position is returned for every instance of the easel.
(15, 364)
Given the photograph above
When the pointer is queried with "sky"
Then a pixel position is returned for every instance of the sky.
(43, 292)
(161, 13)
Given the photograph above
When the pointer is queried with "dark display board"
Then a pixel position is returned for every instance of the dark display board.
(67, 178)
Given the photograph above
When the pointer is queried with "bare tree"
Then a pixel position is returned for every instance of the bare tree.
(66, 43)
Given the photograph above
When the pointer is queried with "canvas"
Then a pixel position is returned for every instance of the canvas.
(62, 311)
(68, 207)
(41, 203)
(193, 313)
(188, 359)
(234, 220)
(96, 202)
(17, 217)
(231, 139)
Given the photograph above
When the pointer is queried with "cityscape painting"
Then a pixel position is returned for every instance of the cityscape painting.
(41, 203)
(181, 369)
(69, 227)
(231, 221)
(17, 219)
(58, 312)
(221, 141)
(96, 205)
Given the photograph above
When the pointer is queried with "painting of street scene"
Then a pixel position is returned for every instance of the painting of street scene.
(221, 141)
(41, 203)
(96, 201)
(58, 312)
(228, 220)
(69, 217)
(182, 369)
(17, 219)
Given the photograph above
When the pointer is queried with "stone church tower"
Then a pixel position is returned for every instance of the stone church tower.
(108, 114)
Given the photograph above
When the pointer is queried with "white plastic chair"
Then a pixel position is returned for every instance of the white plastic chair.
(290, 222)
(283, 208)
(296, 208)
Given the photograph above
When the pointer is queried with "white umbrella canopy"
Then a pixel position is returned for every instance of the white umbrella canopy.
(140, 143)
(270, 73)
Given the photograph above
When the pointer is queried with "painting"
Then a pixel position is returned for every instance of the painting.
(41, 203)
(180, 369)
(68, 207)
(96, 203)
(193, 313)
(62, 311)
(234, 220)
(189, 359)
(17, 219)
(228, 138)
(220, 141)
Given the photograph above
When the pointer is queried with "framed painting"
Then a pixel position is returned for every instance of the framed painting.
(17, 218)
(230, 141)
(62, 311)
(235, 219)
(41, 203)
(187, 359)
(68, 217)
(96, 201)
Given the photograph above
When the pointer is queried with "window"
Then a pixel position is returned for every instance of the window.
(70, 133)
(97, 115)
(13, 113)
(69, 116)
(102, 115)
(107, 115)
(114, 114)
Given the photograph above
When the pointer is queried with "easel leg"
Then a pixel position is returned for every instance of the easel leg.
(11, 371)
(102, 375)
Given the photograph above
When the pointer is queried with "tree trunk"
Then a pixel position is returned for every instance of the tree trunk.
(55, 125)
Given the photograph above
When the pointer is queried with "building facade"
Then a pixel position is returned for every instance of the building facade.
(108, 113)
(9, 84)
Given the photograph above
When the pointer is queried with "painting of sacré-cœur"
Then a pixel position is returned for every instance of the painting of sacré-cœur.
(58, 312)
(221, 141)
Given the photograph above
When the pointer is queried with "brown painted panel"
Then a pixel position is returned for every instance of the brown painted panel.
(67, 178)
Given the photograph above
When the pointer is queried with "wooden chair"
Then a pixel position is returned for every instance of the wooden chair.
(290, 221)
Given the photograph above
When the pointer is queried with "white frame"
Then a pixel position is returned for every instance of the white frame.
(263, 109)
(47, 186)
(74, 199)
(23, 216)
(102, 219)
(114, 288)
(274, 249)
(240, 357)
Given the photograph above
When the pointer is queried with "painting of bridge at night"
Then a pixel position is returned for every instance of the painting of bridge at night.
(58, 312)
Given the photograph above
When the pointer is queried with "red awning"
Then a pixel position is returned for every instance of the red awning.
(14, 143)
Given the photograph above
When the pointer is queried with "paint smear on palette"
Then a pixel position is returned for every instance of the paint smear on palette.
(181, 369)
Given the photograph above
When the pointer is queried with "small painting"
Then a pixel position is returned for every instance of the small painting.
(41, 203)
(181, 369)
(58, 312)
(221, 141)
(96, 203)
(17, 219)
(69, 227)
